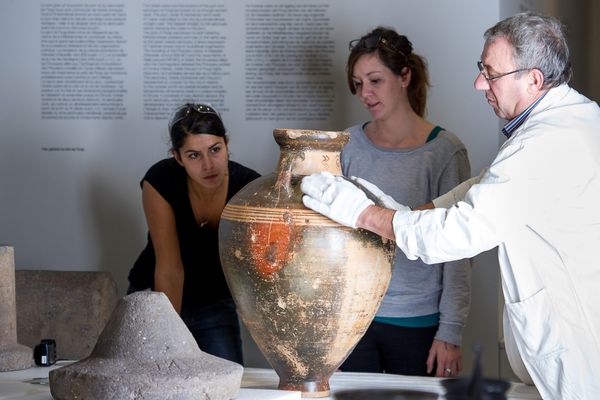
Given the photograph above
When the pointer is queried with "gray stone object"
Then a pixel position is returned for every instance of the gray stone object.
(13, 356)
(71, 307)
(146, 352)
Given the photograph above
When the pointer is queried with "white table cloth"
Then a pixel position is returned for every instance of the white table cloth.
(257, 384)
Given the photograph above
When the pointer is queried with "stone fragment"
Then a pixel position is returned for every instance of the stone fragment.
(13, 356)
(70, 307)
(146, 352)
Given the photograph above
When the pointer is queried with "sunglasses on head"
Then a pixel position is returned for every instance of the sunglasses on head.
(184, 111)
(374, 42)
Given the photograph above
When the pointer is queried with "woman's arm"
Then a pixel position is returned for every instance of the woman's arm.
(454, 301)
(169, 273)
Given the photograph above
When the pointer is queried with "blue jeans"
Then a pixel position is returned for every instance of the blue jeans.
(392, 349)
(216, 329)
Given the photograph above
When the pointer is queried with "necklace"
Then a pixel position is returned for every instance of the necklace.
(207, 206)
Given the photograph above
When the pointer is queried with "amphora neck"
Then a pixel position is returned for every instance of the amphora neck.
(303, 152)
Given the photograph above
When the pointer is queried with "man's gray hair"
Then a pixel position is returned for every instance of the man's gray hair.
(538, 42)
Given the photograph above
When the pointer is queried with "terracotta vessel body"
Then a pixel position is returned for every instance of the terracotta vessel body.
(306, 287)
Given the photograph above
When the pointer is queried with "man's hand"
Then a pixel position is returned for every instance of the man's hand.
(447, 357)
(386, 200)
(335, 197)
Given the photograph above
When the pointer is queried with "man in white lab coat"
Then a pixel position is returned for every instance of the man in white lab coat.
(538, 202)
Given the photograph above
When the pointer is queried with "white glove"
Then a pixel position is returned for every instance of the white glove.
(458, 193)
(335, 197)
(386, 200)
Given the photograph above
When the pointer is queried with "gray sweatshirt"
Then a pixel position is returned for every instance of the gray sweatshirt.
(414, 177)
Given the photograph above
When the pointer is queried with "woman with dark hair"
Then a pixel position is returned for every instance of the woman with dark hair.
(183, 197)
(418, 327)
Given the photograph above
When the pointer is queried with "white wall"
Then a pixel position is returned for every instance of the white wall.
(80, 210)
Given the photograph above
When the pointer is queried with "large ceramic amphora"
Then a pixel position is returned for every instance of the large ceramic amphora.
(306, 287)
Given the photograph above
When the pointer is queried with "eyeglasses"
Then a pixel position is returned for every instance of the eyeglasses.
(184, 111)
(490, 78)
(373, 43)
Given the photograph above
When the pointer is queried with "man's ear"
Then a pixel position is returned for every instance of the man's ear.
(536, 79)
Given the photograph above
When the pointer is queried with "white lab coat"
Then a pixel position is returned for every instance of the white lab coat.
(539, 202)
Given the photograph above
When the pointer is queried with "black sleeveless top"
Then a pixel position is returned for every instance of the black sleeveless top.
(204, 282)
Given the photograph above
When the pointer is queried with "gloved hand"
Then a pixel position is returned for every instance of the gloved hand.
(335, 197)
(386, 200)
